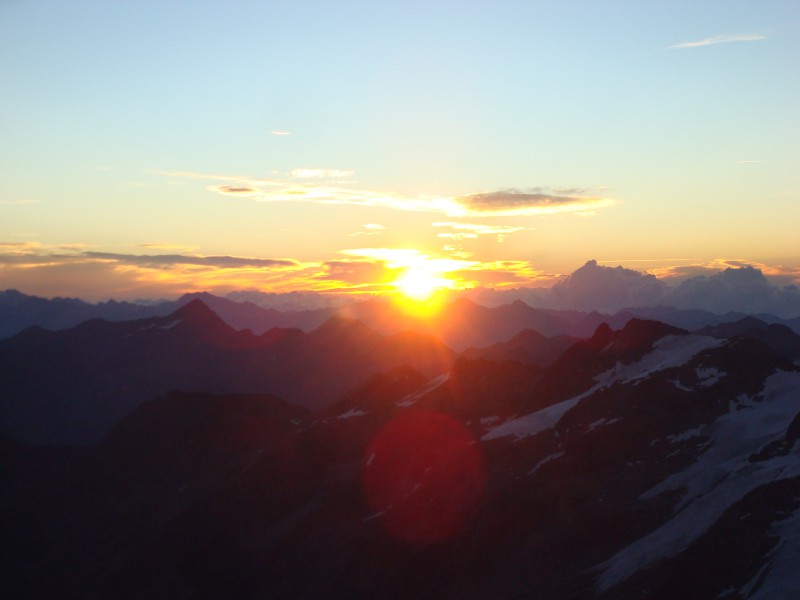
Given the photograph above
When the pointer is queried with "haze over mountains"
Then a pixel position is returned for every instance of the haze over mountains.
(741, 290)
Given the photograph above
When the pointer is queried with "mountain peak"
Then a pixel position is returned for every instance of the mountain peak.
(338, 325)
(195, 311)
(197, 319)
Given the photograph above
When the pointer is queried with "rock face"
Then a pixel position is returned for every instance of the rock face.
(643, 462)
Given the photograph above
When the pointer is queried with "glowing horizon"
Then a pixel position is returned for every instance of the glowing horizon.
(486, 155)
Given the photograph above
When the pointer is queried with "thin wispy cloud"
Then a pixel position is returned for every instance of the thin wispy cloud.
(357, 271)
(461, 231)
(369, 229)
(168, 260)
(280, 132)
(720, 39)
(514, 202)
(165, 246)
(508, 202)
(234, 190)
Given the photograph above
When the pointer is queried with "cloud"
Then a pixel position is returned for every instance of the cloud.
(514, 202)
(740, 289)
(369, 229)
(509, 202)
(720, 286)
(232, 190)
(721, 39)
(402, 258)
(280, 132)
(471, 231)
(320, 173)
(595, 287)
(19, 246)
(169, 260)
(500, 274)
(381, 266)
(67, 270)
(166, 246)
(374, 274)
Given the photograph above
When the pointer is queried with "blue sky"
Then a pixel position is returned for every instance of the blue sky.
(519, 138)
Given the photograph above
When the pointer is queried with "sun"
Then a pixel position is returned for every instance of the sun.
(419, 284)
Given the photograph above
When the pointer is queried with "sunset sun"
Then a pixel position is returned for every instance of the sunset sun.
(419, 284)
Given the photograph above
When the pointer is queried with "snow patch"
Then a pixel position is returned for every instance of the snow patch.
(719, 478)
(709, 376)
(376, 515)
(669, 351)
(412, 398)
(353, 412)
(601, 422)
(533, 423)
(544, 461)
(686, 435)
(171, 324)
(782, 578)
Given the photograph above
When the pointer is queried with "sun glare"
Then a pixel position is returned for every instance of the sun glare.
(419, 284)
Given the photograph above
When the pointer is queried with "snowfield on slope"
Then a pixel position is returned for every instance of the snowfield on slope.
(719, 478)
(669, 351)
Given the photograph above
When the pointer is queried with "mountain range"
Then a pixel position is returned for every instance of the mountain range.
(641, 461)
(71, 386)
(460, 325)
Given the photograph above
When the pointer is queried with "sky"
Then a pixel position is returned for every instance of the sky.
(152, 148)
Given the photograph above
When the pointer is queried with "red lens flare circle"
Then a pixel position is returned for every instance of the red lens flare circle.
(424, 474)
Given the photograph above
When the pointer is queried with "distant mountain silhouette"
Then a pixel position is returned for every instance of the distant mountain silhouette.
(782, 340)
(461, 324)
(73, 385)
(19, 311)
(528, 346)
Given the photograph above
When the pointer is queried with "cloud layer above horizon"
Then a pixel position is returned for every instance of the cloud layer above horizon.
(720, 287)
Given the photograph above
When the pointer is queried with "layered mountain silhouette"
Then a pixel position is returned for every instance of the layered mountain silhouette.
(71, 386)
(644, 461)
(460, 325)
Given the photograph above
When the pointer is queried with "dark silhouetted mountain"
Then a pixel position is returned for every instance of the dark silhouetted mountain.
(160, 459)
(605, 351)
(72, 386)
(528, 346)
(644, 462)
(782, 340)
(19, 311)
(247, 315)
(691, 320)
(467, 324)
(461, 324)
